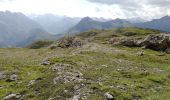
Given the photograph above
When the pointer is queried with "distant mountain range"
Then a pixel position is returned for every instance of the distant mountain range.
(162, 24)
(88, 23)
(17, 30)
(56, 24)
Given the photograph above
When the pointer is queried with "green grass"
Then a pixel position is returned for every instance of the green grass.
(105, 68)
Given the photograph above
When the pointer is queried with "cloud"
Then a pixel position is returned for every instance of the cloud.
(146, 9)
(159, 3)
(118, 2)
(6, 0)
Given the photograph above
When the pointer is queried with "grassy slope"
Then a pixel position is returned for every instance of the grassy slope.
(118, 70)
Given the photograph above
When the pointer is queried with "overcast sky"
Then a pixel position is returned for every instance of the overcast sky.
(147, 9)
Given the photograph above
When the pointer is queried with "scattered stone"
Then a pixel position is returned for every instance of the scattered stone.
(76, 97)
(61, 67)
(50, 99)
(2, 75)
(108, 96)
(140, 53)
(32, 82)
(161, 54)
(13, 77)
(135, 97)
(68, 77)
(46, 62)
(66, 73)
(13, 97)
(1, 87)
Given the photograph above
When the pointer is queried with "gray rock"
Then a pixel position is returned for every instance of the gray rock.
(129, 42)
(140, 53)
(2, 75)
(76, 97)
(13, 97)
(46, 62)
(167, 50)
(32, 82)
(13, 77)
(159, 42)
(108, 96)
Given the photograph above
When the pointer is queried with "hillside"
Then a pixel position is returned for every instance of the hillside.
(94, 70)
(16, 28)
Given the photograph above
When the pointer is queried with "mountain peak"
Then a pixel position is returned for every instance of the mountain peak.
(87, 19)
(166, 17)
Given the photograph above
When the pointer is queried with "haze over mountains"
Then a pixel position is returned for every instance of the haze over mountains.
(56, 24)
(18, 30)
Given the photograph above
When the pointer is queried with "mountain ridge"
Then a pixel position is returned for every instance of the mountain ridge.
(16, 28)
(88, 23)
(162, 24)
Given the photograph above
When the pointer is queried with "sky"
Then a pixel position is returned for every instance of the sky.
(146, 9)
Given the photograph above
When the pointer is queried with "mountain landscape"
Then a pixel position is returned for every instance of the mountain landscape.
(84, 50)
(110, 64)
(16, 28)
(56, 24)
(159, 24)
(88, 23)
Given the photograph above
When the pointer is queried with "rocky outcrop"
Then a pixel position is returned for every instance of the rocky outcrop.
(158, 42)
(71, 41)
(130, 42)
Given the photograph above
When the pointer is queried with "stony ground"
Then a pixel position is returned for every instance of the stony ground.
(95, 71)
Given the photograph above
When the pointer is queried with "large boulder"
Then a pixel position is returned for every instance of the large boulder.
(159, 42)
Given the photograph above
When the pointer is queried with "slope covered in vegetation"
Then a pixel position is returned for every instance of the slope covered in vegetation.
(95, 71)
